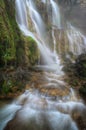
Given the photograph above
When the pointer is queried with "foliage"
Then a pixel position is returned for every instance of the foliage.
(15, 49)
(32, 51)
(80, 66)
(7, 47)
(13, 45)
(6, 86)
(82, 90)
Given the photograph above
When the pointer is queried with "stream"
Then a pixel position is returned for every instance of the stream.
(47, 105)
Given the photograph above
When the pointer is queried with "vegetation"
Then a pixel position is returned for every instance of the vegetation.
(82, 90)
(7, 47)
(81, 66)
(77, 73)
(15, 49)
(81, 73)
(11, 39)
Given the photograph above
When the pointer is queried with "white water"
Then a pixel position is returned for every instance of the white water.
(37, 108)
(36, 104)
(56, 18)
(7, 113)
(49, 58)
(34, 107)
(44, 1)
(77, 41)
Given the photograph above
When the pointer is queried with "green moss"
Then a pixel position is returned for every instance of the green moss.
(32, 51)
(7, 86)
(16, 50)
(7, 44)
(13, 45)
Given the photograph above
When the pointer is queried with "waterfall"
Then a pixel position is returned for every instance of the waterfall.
(37, 20)
(44, 1)
(7, 114)
(77, 41)
(28, 7)
(50, 103)
(56, 18)
(21, 15)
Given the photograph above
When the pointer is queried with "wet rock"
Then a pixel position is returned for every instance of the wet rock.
(82, 90)
(80, 65)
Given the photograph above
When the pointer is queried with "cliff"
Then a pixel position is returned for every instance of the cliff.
(15, 49)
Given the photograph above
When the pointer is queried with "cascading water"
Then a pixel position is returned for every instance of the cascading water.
(39, 27)
(7, 114)
(56, 18)
(54, 108)
(77, 41)
(37, 20)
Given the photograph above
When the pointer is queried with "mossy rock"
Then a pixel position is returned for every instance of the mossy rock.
(15, 49)
(7, 40)
(32, 51)
(82, 90)
(80, 65)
